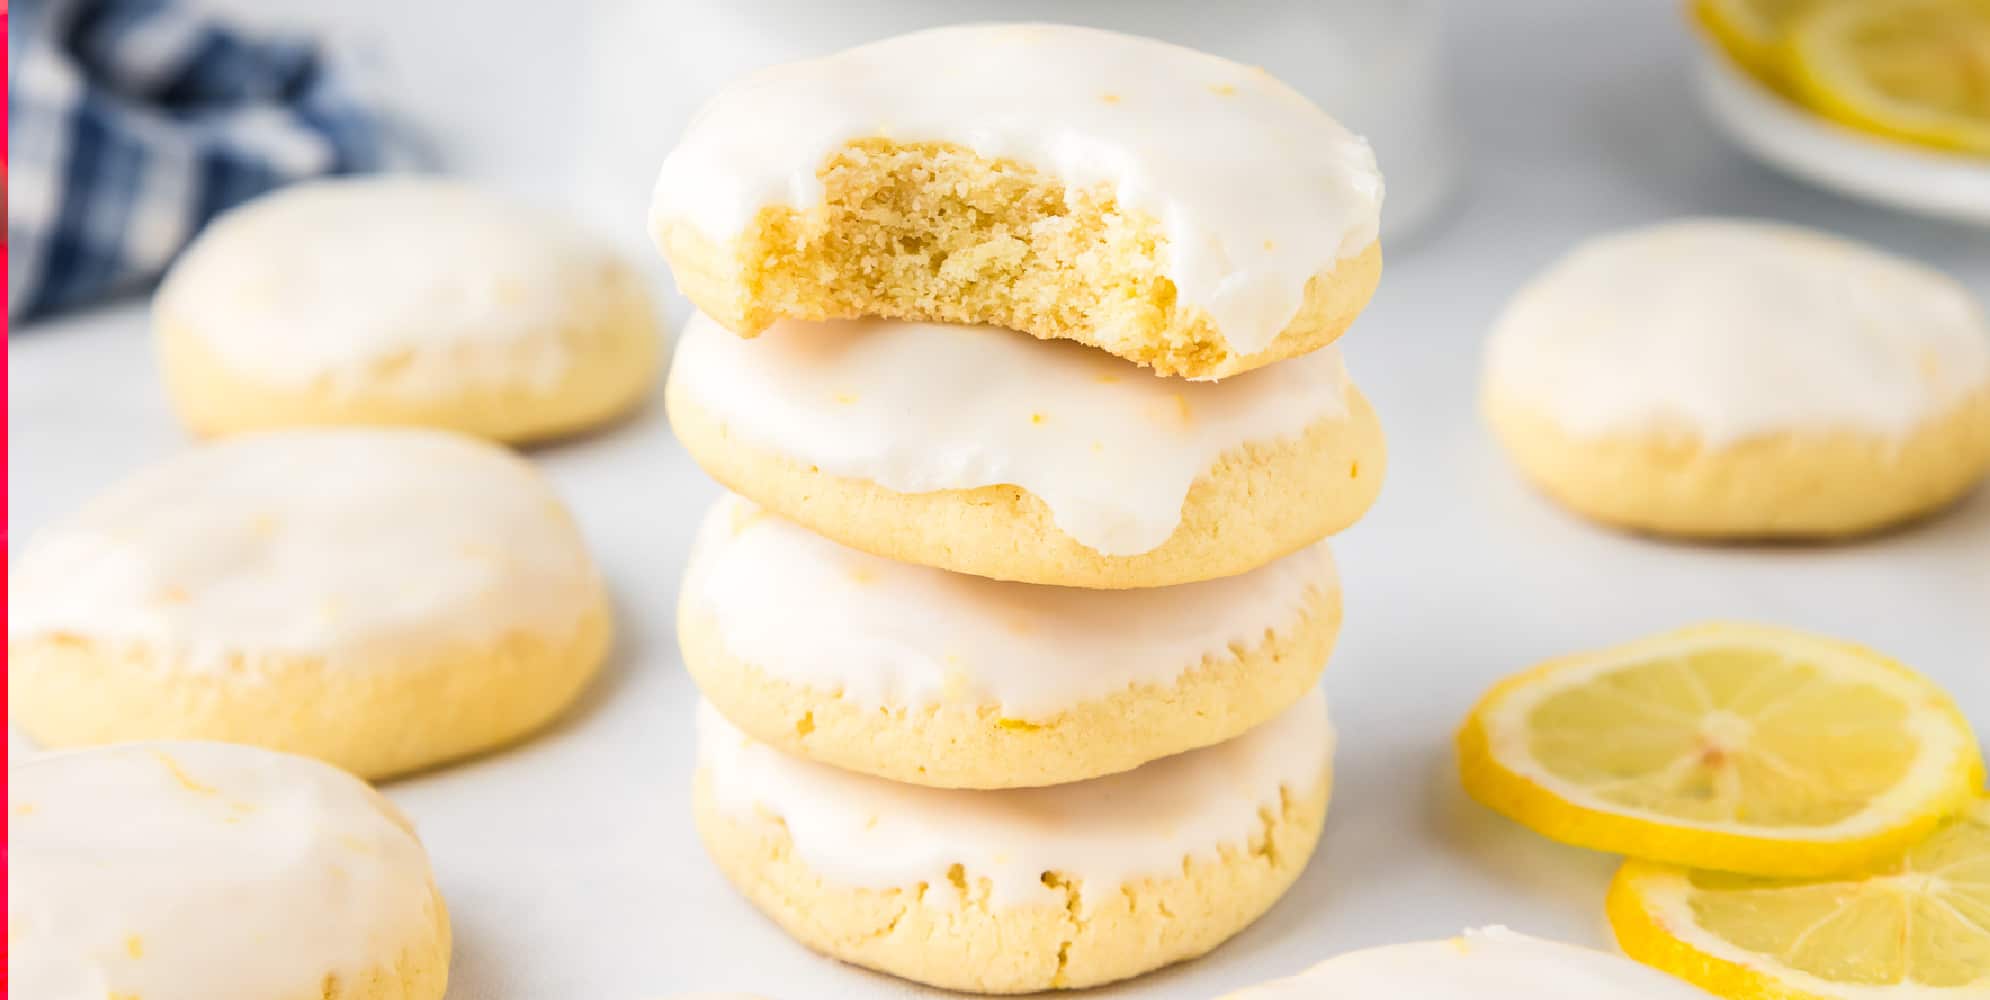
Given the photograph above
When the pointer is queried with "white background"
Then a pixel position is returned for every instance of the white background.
(569, 862)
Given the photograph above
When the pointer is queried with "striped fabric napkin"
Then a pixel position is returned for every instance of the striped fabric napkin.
(133, 122)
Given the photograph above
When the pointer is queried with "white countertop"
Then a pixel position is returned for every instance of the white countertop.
(569, 862)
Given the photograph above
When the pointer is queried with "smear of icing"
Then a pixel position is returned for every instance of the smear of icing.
(398, 284)
(1257, 190)
(322, 541)
(862, 831)
(176, 870)
(1489, 964)
(878, 632)
(919, 407)
(1729, 328)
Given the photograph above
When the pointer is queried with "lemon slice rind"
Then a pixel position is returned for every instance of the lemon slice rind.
(1738, 33)
(1650, 908)
(1942, 778)
(1822, 68)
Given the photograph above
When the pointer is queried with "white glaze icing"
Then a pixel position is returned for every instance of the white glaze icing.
(1256, 189)
(866, 832)
(408, 284)
(919, 407)
(812, 612)
(1730, 328)
(345, 543)
(202, 871)
(1489, 964)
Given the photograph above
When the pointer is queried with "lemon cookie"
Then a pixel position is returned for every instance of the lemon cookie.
(968, 449)
(1732, 379)
(382, 599)
(1020, 889)
(402, 300)
(212, 871)
(1176, 209)
(938, 678)
(1489, 964)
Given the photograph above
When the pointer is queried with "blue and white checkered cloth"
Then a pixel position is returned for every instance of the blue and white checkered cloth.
(133, 122)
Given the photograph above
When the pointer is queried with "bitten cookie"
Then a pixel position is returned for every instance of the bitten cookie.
(1021, 889)
(381, 599)
(972, 450)
(1732, 379)
(201, 871)
(1173, 208)
(1489, 964)
(402, 300)
(937, 678)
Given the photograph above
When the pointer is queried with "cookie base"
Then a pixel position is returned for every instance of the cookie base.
(1823, 485)
(1258, 503)
(946, 934)
(609, 373)
(420, 972)
(375, 719)
(977, 746)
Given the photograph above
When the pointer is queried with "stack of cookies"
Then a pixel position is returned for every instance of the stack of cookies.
(1014, 353)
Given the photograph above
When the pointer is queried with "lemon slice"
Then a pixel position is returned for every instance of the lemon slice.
(1734, 747)
(1917, 70)
(1752, 30)
(1917, 926)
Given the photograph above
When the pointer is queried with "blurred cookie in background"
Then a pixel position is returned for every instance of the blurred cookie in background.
(1720, 378)
(403, 300)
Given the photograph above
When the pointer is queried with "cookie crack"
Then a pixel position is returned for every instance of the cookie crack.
(891, 926)
(1075, 922)
(1266, 846)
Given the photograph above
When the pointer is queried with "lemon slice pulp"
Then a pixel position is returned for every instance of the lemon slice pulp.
(1731, 747)
(1917, 70)
(1917, 925)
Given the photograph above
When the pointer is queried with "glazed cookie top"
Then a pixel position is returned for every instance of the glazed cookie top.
(862, 831)
(1111, 449)
(810, 611)
(1730, 328)
(414, 283)
(347, 543)
(1256, 189)
(176, 871)
(1489, 964)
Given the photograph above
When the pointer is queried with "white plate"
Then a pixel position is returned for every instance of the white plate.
(1790, 138)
